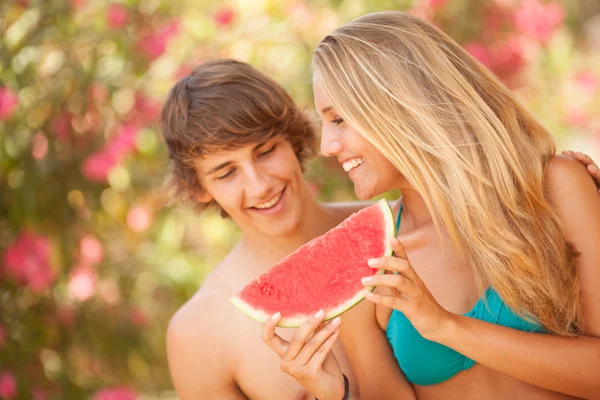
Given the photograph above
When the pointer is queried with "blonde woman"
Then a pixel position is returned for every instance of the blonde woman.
(495, 292)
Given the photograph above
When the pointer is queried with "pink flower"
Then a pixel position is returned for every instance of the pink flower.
(8, 385)
(114, 393)
(117, 16)
(97, 166)
(77, 4)
(91, 250)
(182, 72)
(437, 4)
(123, 142)
(8, 103)
(505, 59)
(82, 284)
(27, 261)
(61, 126)
(138, 219)
(154, 44)
(138, 317)
(146, 111)
(39, 394)
(576, 117)
(479, 52)
(508, 58)
(588, 82)
(39, 145)
(537, 20)
(2, 336)
(224, 16)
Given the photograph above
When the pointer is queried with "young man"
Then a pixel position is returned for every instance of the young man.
(237, 142)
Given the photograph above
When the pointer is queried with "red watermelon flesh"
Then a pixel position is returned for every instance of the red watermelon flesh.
(324, 273)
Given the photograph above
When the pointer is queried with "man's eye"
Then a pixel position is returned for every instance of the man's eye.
(227, 175)
(265, 153)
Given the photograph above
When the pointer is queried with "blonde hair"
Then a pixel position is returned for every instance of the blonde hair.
(464, 143)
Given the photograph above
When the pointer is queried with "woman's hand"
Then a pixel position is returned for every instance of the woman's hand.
(307, 356)
(408, 293)
(589, 164)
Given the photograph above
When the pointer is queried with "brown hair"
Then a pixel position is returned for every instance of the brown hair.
(227, 104)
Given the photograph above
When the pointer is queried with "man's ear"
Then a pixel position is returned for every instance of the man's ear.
(204, 197)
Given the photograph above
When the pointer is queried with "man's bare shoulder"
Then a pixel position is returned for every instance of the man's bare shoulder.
(202, 346)
(207, 316)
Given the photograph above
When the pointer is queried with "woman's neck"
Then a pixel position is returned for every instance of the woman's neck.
(415, 211)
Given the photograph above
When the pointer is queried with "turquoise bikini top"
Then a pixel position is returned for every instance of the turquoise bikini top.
(425, 362)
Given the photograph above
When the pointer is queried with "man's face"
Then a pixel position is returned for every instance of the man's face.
(258, 185)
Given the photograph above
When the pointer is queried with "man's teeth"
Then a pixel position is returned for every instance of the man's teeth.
(351, 164)
(270, 203)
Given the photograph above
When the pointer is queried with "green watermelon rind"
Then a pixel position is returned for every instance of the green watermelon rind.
(295, 321)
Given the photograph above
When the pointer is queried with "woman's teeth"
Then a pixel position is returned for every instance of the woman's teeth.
(351, 164)
(270, 203)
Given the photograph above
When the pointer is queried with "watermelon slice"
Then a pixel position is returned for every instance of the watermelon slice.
(324, 273)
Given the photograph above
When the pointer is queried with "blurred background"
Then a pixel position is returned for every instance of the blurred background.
(94, 257)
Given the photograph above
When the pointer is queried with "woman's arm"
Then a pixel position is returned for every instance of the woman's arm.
(375, 368)
(566, 365)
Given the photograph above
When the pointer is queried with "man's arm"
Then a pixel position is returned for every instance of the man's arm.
(199, 357)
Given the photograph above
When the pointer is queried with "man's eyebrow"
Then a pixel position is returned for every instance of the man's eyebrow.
(326, 109)
(227, 163)
(218, 167)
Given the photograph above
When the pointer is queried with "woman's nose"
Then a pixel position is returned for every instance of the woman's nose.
(330, 143)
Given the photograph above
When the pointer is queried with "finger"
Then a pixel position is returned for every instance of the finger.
(398, 282)
(301, 335)
(316, 342)
(322, 352)
(569, 153)
(273, 340)
(398, 248)
(395, 264)
(594, 170)
(583, 158)
(396, 303)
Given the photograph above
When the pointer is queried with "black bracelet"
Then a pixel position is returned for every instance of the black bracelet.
(346, 388)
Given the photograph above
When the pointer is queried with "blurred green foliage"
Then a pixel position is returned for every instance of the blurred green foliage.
(95, 259)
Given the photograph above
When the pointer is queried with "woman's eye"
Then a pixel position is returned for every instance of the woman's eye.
(227, 175)
(337, 121)
(267, 152)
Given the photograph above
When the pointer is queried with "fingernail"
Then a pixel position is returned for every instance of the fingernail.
(276, 316)
(336, 321)
(394, 241)
(369, 295)
(320, 314)
(366, 280)
(593, 168)
(373, 261)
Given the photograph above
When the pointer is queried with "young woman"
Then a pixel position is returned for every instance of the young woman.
(494, 291)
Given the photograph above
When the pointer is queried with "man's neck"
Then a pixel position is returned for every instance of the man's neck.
(267, 250)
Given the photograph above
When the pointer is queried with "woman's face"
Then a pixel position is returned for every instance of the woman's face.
(370, 171)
